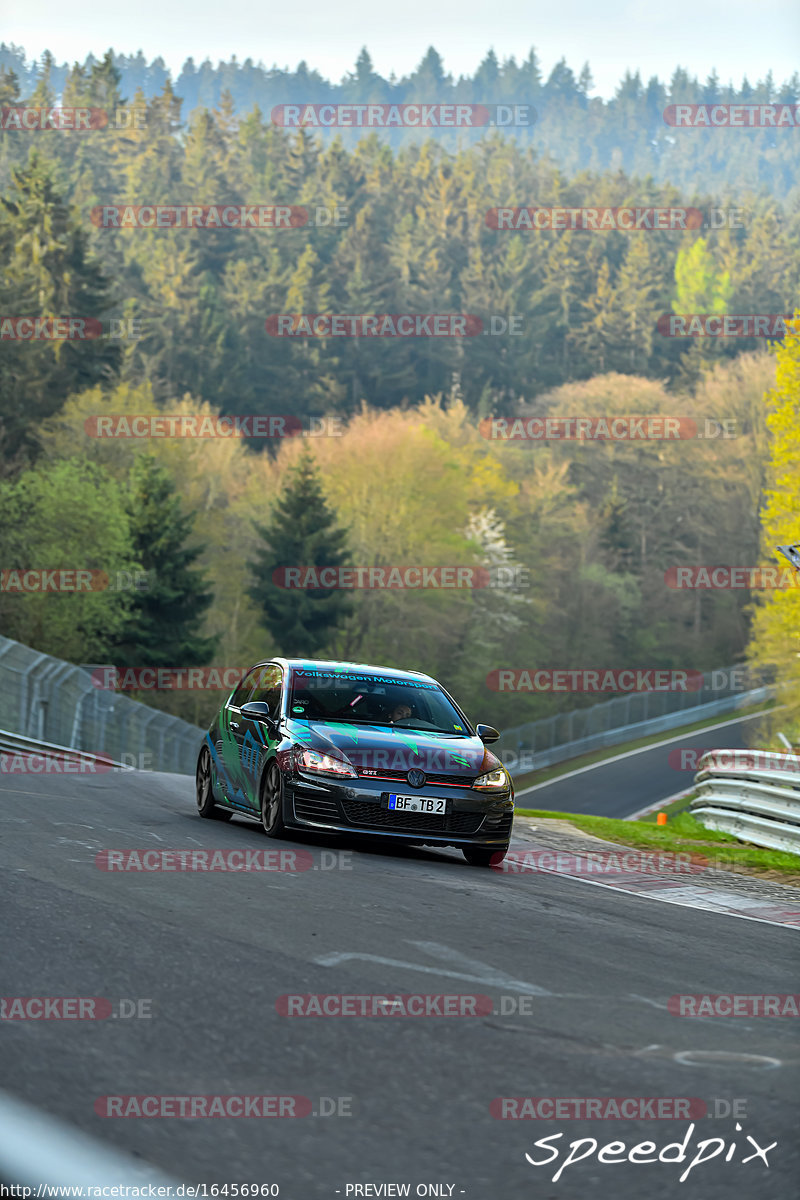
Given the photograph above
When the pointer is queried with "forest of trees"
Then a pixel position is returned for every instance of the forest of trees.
(408, 478)
(580, 132)
(415, 240)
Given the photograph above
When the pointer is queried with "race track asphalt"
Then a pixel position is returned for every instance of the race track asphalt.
(213, 952)
(622, 786)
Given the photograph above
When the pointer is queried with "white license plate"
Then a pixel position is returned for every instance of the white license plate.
(417, 804)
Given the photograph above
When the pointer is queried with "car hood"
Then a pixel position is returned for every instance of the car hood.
(377, 748)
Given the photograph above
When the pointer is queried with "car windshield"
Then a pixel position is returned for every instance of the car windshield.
(362, 699)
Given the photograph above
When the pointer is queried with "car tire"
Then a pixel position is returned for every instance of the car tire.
(204, 790)
(484, 856)
(272, 802)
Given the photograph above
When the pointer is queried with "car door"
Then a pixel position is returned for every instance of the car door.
(232, 775)
(257, 739)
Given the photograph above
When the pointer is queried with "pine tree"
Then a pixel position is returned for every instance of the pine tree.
(49, 272)
(163, 629)
(301, 532)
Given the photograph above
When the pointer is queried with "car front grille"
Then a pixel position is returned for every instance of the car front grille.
(436, 777)
(372, 816)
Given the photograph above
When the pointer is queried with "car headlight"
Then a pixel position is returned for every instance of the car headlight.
(492, 781)
(324, 764)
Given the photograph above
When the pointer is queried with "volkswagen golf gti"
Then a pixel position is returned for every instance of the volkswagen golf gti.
(350, 748)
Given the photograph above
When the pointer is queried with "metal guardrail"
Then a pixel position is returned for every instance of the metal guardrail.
(555, 739)
(14, 745)
(752, 794)
(54, 702)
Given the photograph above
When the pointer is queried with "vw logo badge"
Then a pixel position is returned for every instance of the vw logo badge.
(416, 778)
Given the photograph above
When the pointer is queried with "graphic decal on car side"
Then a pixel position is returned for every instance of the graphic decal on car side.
(232, 794)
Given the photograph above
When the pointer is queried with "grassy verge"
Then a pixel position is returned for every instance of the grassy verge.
(684, 835)
(672, 810)
(586, 760)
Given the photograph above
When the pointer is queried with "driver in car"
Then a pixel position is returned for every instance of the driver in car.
(399, 713)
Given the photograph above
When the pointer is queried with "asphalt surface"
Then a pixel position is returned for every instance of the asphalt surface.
(623, 786)
(213, 951)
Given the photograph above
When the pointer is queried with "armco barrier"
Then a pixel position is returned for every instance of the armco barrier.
(24, 748)
(526, 748)
(53, 702)
(752, 794)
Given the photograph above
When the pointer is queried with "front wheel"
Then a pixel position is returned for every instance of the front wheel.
(206, 805)
(272, 803)
(484, 856)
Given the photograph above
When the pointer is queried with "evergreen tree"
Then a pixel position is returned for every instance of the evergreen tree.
(49, 272)
(163, 629)
(301, 532)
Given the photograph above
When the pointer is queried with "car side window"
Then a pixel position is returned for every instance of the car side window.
(244, 689)
(268, 687)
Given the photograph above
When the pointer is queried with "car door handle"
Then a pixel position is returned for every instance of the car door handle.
(234, 724)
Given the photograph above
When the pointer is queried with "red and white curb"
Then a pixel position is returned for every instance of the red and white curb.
(670, 889)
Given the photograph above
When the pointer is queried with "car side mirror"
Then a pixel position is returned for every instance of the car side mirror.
(257, 710)
(486, 733)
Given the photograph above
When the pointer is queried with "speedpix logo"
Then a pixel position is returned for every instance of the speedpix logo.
(647, 1152)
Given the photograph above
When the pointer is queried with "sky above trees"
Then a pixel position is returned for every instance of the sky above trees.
(734, 39)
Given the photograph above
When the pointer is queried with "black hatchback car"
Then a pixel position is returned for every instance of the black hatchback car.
(344, 747)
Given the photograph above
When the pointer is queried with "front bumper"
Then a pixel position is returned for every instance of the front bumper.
(354, 806)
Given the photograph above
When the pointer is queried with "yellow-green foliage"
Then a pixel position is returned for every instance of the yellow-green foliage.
(776, 624)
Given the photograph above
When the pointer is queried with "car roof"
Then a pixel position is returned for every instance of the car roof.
(338, 664)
